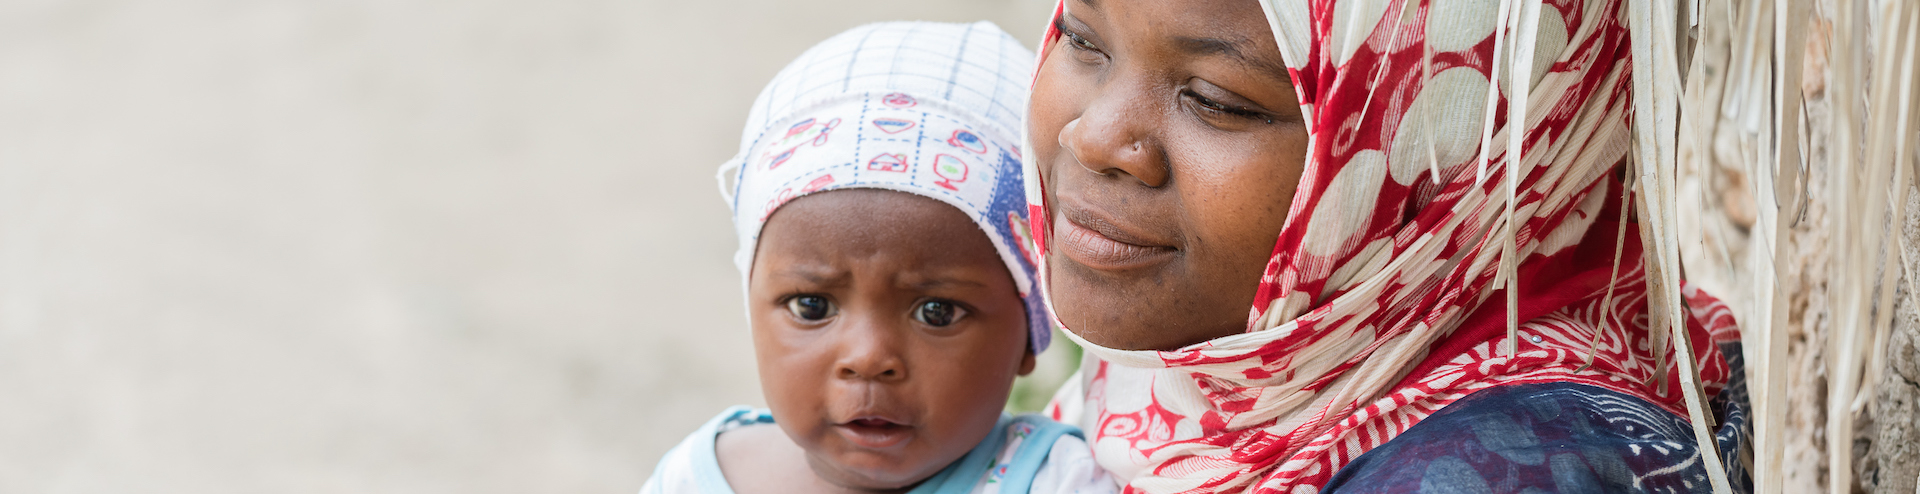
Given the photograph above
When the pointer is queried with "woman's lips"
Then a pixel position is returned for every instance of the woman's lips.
(874, 432)
(1097, 244)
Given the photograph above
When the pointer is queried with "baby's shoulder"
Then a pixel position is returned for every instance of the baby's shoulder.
(759, 457)
(693, 465)
(1046, 456)
(1035, 433)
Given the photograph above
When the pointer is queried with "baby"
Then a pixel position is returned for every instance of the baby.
(878, 198)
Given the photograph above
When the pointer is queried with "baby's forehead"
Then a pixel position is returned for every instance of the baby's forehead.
(869, 221)
(879, 239)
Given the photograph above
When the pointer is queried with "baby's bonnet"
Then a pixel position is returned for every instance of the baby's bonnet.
(932, 109)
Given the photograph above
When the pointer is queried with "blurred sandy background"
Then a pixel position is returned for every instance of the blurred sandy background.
(403, 246)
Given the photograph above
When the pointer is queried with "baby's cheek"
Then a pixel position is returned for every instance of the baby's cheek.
(790, 380)
(977, 393)
(969, 417)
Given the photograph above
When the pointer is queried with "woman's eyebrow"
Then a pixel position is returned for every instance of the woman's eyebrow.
(1229, 48)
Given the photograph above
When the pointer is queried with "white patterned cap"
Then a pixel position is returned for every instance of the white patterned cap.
(931, 109)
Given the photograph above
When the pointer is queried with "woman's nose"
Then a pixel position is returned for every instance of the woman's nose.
(1109, 137)
(870, 353)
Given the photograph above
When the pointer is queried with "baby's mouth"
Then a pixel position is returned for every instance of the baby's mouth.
(874, 432)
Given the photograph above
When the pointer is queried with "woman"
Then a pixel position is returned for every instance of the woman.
(1175, 141)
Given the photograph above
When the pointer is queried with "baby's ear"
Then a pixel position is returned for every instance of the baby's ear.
(1027, 362)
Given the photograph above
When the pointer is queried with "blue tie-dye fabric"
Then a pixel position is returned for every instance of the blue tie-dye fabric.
(1556, 437)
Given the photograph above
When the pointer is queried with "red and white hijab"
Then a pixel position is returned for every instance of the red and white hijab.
(1384, 300)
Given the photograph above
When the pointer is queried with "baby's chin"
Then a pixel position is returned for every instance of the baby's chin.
(872, 471)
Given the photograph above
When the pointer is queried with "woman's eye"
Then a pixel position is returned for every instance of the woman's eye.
(1083, 49)
(1217, 108)
(938, 313)
(1079, 42)
(810, 307)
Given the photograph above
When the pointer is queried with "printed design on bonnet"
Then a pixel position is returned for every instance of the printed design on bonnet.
(797, 136)
(951, 170)
(893, 125)
(899, 100)
(964, 139)
(888, 162)
(948, 162)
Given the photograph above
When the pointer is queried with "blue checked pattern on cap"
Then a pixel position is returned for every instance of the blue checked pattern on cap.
(932, 109)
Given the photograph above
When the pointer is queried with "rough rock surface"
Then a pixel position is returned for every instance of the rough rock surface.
(1895, 452)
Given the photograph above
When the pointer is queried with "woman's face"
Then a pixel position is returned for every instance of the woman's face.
(1170, 141)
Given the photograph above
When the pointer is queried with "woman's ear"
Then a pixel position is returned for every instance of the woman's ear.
(1027, 362)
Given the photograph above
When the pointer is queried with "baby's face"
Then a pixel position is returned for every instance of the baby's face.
(888, 333)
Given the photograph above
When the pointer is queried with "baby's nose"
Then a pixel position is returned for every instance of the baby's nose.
(870, 355)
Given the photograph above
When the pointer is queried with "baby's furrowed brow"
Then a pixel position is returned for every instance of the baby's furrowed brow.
(932, 283)
(816, 276)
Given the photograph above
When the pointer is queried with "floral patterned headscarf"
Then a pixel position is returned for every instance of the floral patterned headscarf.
(1429, 233)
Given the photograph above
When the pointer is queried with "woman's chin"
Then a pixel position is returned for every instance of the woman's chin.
(1107, 332)
(1108, 308)
(1121, 326)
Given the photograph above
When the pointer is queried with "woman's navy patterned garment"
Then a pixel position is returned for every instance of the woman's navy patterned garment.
(1555, 437)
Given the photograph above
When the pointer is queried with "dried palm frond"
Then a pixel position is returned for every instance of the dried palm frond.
(1745, 121)
(1657, 90)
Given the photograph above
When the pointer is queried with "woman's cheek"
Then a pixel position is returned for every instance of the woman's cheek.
(1053, 104)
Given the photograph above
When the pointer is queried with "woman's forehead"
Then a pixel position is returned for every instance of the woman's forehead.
(1193, 30)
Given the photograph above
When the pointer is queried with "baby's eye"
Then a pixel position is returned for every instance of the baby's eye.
(811, 307)
(938, 313)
